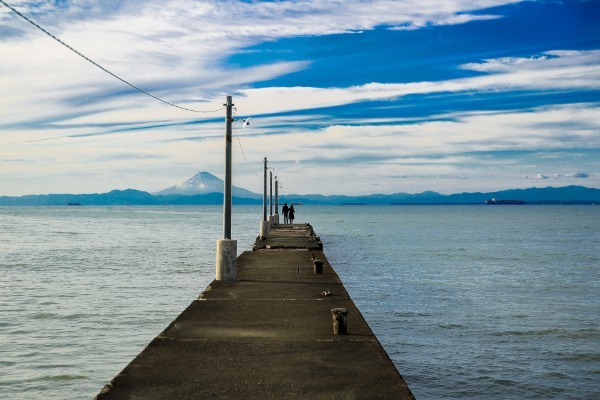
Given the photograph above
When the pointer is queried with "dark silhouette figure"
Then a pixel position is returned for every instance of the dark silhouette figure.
(285, 211)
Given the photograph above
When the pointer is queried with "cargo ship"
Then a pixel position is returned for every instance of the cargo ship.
(496, 201)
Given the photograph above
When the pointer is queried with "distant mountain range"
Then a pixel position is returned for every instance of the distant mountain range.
(548, 195)
(206, 189)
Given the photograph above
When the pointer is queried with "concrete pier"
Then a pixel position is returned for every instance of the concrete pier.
(267, 335)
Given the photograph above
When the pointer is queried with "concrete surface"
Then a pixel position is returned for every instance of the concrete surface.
(296, 236)
(267, 335)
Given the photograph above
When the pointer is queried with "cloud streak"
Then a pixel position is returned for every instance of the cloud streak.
(177, 49)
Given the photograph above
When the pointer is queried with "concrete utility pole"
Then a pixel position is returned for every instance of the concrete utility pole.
(226, 262)
(264, 224)
(270, 192)
(227, 188)
(277, 199)
(265, 193)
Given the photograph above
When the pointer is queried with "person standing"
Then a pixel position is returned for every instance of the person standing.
(285, 211)
(291, 213)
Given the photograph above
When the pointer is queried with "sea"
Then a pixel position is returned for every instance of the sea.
(469, 301)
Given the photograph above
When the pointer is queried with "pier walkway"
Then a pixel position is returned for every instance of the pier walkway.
(268, 335)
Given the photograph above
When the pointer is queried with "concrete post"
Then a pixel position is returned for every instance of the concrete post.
(264, 230)
(226, 262)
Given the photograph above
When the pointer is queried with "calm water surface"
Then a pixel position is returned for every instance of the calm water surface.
(470, 302)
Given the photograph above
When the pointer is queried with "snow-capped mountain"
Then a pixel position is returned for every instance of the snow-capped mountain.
(203, 183)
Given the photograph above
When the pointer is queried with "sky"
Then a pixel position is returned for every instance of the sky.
(344, 96)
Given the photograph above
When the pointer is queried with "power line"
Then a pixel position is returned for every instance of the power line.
(100, 66)
(240, 143)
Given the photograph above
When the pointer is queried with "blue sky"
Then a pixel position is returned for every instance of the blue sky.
(345, 97)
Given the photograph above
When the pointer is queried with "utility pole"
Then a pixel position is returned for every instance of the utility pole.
(276, 201)
(276, 197)
(226, 260)
(265, 193)
(264, 224)
(270, 192)
(227, 189)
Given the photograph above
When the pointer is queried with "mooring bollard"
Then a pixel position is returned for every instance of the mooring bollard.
(318, 266)
(340, 321)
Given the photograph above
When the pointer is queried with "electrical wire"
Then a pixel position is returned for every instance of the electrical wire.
(100, 66)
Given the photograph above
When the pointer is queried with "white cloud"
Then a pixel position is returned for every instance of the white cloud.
(176, 50)
(557, 69)
(581, 175)
(474, 148)
(237, 19)
(480, 149)
(569, 175)
(566, 70)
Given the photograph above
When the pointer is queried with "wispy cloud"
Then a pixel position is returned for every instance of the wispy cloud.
(226, 19)
(497, 146)
(565, 70)
(178, 48)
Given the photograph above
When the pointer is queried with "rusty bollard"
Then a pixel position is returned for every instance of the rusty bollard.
(318, 266)
(340, 321)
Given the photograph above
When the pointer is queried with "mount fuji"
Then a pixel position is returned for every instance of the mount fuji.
(204, 183)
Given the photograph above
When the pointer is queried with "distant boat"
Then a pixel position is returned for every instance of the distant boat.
(73, 204)
(496, 201)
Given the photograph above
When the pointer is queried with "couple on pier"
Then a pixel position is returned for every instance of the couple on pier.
(288, 213)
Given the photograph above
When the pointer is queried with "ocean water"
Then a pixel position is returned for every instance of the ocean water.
(470, 302)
